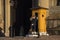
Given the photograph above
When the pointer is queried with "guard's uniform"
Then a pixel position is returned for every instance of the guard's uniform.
(34, 25)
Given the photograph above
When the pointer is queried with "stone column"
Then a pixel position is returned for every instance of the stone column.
(7, 15)
(2, 15)
(44, 3)
(52, 3)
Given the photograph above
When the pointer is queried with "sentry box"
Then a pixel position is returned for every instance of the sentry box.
(40, 7)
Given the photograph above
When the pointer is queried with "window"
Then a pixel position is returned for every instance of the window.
(58, 2)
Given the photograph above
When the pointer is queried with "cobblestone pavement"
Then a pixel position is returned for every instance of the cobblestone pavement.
(54, 37)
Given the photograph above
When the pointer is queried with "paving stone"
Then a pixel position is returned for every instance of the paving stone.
(54, 37)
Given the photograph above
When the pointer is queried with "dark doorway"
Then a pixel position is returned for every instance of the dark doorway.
(58, 2)
(23, 14)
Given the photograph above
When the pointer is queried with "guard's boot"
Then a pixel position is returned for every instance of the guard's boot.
(33, 34)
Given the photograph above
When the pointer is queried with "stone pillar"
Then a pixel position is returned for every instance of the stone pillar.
(52, 3)
(44, 3)
(7, 15)
(2, 15)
